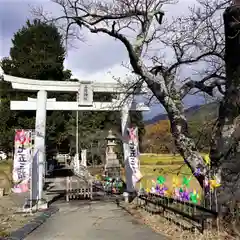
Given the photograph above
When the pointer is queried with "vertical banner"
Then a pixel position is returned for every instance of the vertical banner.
(22, 160)
(84, 157)
(133, 159)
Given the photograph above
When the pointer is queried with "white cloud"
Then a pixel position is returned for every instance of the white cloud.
(106, 75)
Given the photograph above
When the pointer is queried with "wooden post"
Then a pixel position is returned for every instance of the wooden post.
(67, 189)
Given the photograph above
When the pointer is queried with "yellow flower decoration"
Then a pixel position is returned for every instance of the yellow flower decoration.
(175, 181)
(148, 190)
(98, 177)
(207, 159)
(168, 193)
(214, 184)
(196, 194)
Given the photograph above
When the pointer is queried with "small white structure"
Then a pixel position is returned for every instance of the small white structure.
(84, 90)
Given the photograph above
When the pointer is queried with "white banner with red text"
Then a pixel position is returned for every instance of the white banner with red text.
(133, 158)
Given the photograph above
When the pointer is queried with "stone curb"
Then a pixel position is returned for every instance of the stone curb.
(21, 233)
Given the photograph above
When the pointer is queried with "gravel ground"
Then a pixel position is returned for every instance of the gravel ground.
(9, 219)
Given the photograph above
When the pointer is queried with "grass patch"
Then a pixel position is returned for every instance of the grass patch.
(6, 166)
(6, 176)
(4, 233)
(161, 159)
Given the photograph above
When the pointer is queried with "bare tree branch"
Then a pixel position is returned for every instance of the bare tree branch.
(193, 40)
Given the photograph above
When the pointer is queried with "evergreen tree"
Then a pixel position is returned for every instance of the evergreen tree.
(37, 52)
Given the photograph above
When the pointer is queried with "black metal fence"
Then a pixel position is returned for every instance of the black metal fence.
(196, 214)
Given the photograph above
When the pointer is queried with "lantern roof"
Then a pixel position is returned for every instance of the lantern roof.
(110, 135)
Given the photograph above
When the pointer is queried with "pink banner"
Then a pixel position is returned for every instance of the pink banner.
(22, 160)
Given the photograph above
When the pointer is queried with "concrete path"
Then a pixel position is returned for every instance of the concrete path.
(96, 221)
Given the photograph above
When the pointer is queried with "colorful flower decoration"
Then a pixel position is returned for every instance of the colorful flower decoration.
(97, 177)
(176, 193)
(108, 183)
(161, 190)
(186, 181)
(161, 180)
(168, 193)
(207, 159)
(206, 182)
(184, 195)
(175, 181)
(194, 197)
(197, 172)
(153, 190)
(214, 183)
(153, 181)
(147, 190)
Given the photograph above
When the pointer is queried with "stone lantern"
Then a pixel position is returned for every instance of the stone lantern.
(112, 166)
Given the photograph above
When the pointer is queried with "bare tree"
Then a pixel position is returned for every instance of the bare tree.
(196, 40)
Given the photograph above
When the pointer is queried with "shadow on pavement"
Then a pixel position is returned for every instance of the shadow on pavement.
(62, 172)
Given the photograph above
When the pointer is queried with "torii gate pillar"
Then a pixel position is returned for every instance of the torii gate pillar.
(39, 146)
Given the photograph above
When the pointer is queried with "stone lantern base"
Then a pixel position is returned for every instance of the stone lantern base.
(113, 171)
(112, 166)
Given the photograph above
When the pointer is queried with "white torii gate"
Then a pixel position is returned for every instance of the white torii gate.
(85, 90)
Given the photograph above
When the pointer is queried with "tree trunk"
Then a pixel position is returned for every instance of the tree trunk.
(225, 147)
(179, 129)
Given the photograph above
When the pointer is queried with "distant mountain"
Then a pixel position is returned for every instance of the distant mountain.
(194, 113)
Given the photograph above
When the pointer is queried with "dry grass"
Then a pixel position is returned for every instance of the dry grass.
(147, 159)
(9, 219)
(6, 176)
(155, 159)
(6, 166)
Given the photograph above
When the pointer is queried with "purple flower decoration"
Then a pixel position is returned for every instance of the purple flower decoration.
(157, 187)
(197, 172)
(184, 195)
(161, 190)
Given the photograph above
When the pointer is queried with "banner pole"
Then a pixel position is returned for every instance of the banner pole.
(30, 173)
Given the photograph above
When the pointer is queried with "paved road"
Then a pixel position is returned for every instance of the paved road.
(98, 221)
